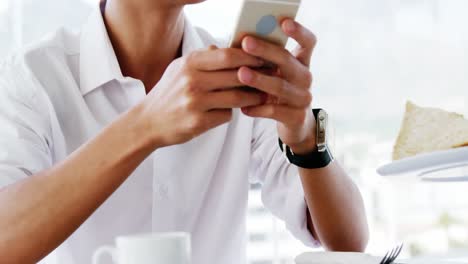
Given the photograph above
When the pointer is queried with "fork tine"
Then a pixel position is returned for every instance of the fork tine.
(397, 253)
(400, 249)
(384, 260)
(390, 257)
(392, 254)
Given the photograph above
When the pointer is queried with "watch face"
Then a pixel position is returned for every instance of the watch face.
(322, 122)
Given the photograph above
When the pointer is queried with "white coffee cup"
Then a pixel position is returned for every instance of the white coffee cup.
(157, 248)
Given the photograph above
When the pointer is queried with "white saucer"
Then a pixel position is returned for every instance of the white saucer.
(440, 166)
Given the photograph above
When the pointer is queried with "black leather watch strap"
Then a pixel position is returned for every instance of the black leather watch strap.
(312, 160)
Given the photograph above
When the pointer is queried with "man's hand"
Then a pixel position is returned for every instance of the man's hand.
(290, 98)
(332, 197)
(195, 94)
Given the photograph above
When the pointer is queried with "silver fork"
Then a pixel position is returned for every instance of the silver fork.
(392, 255)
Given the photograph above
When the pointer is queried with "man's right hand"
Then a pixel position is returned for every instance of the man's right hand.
(196, 94)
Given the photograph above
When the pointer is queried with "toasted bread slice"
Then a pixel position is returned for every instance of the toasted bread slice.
(429, 129)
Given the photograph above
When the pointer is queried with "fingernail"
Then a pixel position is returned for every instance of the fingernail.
(245, 110)
(289, 26)
(250, 44)
(246, 75)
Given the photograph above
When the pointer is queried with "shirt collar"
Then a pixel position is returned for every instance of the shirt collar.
(98, 61)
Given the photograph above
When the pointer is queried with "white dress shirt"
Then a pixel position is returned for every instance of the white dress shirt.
(63, 91)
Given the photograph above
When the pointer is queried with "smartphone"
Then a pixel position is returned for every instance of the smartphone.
(262, 18)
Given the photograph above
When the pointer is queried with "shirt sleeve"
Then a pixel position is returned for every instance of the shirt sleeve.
(282, 191)
(24, 128)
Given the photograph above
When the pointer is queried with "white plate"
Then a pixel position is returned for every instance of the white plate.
(431, 261)
(357, 258)
(440, 166)
(336, 258)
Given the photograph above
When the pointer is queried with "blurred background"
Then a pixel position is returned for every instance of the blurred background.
(372, 56)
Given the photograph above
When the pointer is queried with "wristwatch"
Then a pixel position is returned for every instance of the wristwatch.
(321, 156)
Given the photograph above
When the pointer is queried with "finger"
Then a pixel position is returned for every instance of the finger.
(291, 68)
(280, 113)
(218, 117)
(280, 88)
(234, 98)
(221, 59)
(208, 81)
(303, 36)
(212, 47)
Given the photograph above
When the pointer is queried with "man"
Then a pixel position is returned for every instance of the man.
(133, 125)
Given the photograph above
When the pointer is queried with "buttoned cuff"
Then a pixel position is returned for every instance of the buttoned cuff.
(296, 221)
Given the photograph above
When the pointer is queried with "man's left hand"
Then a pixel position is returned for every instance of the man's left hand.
(288, 89)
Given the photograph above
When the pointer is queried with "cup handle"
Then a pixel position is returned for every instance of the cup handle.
(102, 251)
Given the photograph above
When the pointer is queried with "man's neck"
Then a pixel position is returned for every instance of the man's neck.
(146, 39)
